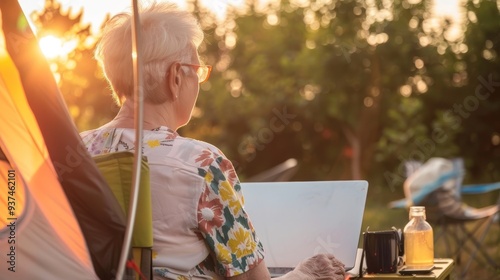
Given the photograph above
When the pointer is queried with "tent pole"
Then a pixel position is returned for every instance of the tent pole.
(138, 117)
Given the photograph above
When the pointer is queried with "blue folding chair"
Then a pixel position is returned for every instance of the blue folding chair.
(437, 185)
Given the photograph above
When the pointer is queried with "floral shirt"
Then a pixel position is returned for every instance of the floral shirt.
(200, 228)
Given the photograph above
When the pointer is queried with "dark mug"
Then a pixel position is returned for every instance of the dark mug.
(382, 250)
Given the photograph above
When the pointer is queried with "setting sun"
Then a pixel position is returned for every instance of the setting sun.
(53, 47)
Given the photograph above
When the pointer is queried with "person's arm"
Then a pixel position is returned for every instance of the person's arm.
(259, 272)
(322, 266)
(222, 221)
(230, 236)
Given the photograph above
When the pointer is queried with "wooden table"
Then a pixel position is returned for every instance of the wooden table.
(442, 271)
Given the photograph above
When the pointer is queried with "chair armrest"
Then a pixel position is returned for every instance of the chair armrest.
(479, 188)
(398, 204)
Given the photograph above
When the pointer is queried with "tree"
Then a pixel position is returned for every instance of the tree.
(476, 109)
(80, 80)
(350, 88)
(335, 69)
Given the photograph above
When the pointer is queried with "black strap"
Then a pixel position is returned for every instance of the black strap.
(147, 263)
(360, 274)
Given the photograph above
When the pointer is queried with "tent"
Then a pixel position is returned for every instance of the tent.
(58, 218)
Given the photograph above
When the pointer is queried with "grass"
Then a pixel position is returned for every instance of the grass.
(378, 216)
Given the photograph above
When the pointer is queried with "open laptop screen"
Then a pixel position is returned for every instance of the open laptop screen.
(296, 220)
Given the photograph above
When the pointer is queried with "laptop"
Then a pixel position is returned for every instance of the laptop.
(297, 220)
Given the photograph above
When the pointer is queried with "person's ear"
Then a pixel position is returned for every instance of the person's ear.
(174, 80)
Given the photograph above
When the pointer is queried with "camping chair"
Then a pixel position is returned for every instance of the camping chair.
(437, 186)
(116, 169)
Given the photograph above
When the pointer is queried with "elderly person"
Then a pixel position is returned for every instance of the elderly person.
(200, 228)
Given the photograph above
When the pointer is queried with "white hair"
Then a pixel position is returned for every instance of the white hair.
(167, 35)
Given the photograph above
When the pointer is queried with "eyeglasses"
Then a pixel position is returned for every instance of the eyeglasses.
(202, 71)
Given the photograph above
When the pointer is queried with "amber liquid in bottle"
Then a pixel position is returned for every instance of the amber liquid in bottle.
(419, 240)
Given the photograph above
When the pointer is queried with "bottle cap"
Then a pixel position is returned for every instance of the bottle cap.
(417, 211)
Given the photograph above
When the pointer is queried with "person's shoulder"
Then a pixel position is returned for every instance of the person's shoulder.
(89, 133)
(199, 153)
(94, 133)
(200, 145)
(86, 133)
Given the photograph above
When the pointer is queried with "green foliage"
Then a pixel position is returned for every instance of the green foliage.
(350, 88)
(406, 127)
(477, 103)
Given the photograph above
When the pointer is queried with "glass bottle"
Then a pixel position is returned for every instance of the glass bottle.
(418, 240)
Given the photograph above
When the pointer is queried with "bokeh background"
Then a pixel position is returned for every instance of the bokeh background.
(351, 89)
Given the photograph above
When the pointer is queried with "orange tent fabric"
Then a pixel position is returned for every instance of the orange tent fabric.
(60, 220)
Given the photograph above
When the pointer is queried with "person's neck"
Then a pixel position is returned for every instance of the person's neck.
(155, 115)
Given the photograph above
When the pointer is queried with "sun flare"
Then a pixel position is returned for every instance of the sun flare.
(53, 47)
